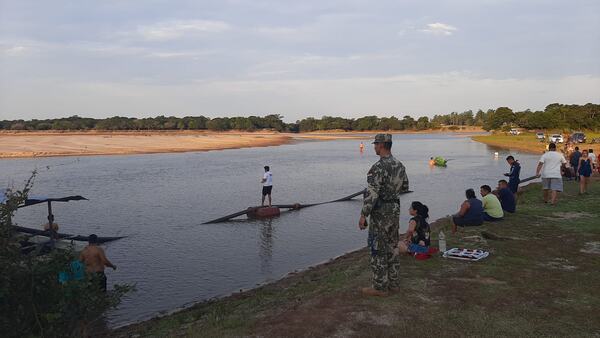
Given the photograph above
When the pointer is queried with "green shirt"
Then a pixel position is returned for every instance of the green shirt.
(492, 206)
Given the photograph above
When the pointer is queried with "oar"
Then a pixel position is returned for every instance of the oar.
(528, 179)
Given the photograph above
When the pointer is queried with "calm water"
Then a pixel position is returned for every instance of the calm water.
(159, 202)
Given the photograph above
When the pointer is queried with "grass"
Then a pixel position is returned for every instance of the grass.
(536, 282)
(526, 142)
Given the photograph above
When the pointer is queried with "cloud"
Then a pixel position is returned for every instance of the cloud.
(350, 97)
(439, 28)
(15, 50)
(171, 30)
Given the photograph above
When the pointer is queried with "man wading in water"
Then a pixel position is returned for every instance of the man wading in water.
(386, 180)
(267, 182)
(95, 260)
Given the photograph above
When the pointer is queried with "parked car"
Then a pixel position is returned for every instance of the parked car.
(515, 131)
(556, 138)
(540, 136)
(577, 137)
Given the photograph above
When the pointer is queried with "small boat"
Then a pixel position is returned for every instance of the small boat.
(440, 162)
(263, 212)
(61, 236)
(275, 210)
(45, 240)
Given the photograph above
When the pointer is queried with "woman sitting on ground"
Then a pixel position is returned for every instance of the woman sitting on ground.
(418, 234)
(470, 213)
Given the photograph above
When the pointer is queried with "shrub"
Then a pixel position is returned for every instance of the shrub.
(32, 301)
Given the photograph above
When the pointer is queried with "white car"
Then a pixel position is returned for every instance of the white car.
(540, 136)
(556, 138)
(514, 131)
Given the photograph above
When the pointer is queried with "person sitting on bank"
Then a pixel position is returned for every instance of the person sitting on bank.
(51, 228)
(506, 197)
(95, 261)
(492, 209)
(267, 182)
(417, 237)
(470, 213)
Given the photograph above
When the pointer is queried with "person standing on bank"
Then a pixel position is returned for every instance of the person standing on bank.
(586, 169)
(575, 156)
(513, 174)
(386, 180)
(267, 182)
(549, 169)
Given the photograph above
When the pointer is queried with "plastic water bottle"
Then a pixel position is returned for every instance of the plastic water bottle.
(442, 242)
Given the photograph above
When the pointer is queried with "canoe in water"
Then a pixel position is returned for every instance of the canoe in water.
(263, 212)
(63, 236)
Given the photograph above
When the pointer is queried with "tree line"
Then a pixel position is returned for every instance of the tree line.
(554, 116)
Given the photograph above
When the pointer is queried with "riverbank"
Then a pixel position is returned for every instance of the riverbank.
(526, 142)
(540, 280)
(54, 143)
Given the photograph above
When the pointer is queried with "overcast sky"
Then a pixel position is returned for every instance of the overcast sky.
(297, 58)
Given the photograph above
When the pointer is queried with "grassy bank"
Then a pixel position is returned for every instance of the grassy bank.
(541, 279)
(526, 142)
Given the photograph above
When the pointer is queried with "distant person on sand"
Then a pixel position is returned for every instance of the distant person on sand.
(95, 261)
(549, 169)
(417, 238)
(470, 213)
(267, 182)
(492, 209)
(585, 171)
(506, 197)
(514, 174)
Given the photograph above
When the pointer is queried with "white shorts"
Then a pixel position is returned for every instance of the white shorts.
(555, 184)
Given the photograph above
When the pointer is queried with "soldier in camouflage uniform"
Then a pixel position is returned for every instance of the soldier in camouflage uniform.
(386, 180)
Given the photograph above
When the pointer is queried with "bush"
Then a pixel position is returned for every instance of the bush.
(32, 301)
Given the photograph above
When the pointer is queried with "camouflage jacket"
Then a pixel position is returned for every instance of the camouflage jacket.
(386, 180)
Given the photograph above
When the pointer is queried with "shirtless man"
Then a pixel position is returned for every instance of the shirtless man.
(95, 260)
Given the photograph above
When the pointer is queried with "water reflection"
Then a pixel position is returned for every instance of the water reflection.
(266, 247)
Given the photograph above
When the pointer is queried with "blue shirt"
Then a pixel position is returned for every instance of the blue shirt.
(507, 199)
(475, 212)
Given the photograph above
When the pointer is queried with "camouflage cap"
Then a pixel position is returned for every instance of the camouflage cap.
(383, 138)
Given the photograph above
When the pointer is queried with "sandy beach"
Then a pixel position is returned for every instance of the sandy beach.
(19, 145)
(82, 143)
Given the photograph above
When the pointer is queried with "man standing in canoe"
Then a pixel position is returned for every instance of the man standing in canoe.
(386, 180)
(267, 182)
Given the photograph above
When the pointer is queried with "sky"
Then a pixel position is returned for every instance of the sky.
(304, 58)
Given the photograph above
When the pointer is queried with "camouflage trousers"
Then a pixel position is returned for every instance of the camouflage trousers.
(384, 264)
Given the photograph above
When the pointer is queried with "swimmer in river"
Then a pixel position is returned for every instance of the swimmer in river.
(361, 147)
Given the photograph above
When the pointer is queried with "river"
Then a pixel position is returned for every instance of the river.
(159, 201)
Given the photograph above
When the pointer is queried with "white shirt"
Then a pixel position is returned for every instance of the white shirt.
(552, 161)
(592, 158)
(268, 177)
